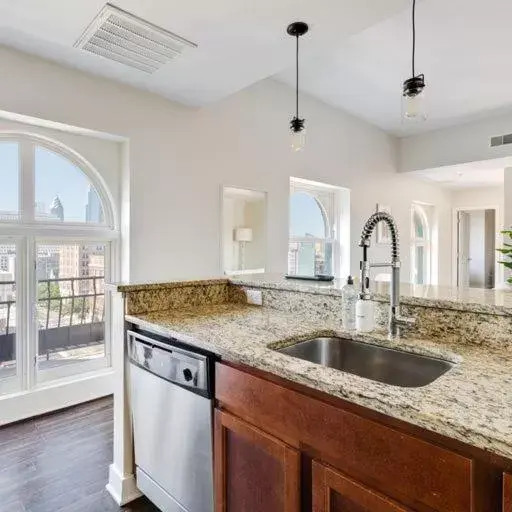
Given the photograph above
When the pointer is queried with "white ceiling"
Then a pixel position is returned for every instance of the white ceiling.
(240, 42)
(489, 173)
(463, 48)
(355, 56)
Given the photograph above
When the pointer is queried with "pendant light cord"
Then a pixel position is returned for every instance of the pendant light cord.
(413, 37)
(297, 78)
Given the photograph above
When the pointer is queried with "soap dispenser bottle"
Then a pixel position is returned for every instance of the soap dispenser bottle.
(365, 315)
(349, 298)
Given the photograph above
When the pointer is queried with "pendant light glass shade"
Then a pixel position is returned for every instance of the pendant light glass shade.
(413, 99)
(298, 140)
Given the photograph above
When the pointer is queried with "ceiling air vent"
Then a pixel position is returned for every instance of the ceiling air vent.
(501, 140)
(120, 36)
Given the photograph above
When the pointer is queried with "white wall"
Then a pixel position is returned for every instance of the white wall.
(481, 197)
(179, 157)
(255, 218)
(455, 145)
(484, 198)
(252, 149)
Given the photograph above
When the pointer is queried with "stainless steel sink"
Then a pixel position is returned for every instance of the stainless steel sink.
(381, 364)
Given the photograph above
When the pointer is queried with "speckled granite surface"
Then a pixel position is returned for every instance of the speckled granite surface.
(497, 302)
(432, 322)
(444, 297)
(135, 287)
(471, 403)
(174, 296)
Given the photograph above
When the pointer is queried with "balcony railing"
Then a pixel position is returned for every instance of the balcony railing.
(70, 314)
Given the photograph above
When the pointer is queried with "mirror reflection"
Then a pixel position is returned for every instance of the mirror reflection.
(244, 230)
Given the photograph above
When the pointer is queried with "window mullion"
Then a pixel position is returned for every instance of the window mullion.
(30, 290)
(27, 181)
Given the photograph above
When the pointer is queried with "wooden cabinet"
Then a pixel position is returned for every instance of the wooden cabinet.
(507, 493)
(253, 470)
(404, 467)
(334, 492)
(280, 446)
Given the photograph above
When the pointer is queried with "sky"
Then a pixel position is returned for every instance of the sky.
(305, 216)
(55, 175)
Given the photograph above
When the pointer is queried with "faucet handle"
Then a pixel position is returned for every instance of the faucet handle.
(403, 321)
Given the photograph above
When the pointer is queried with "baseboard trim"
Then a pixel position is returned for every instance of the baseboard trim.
(59, 395)
(122, 488)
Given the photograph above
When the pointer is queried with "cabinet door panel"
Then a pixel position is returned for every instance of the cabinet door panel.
(507, 493)
(334, 492)
(419, 473)
(253, 470)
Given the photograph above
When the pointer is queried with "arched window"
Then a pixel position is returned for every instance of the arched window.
(307, 217)
(57, 229)
(420, 245)
(313, 246)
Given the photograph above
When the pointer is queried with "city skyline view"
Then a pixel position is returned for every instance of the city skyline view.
(70, 303)
(308, 257)
(55, 176)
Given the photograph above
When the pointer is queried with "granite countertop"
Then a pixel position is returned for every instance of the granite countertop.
(136, 287)
(477, 300)
(472, 402)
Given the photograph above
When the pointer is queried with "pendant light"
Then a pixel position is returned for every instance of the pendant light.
(413, 93)
(298, 135)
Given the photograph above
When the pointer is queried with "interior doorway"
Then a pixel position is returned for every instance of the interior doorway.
(476, 247)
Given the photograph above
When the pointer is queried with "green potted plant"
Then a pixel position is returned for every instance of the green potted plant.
(506, 250)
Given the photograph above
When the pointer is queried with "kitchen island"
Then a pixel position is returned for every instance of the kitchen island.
(362, 436)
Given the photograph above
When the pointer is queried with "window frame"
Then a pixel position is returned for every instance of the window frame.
(26, 186)
(418, 209)
(28, 231)
(44, 375)
(328, 199)
(16, 382)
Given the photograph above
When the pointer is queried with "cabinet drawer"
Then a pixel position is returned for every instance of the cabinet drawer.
(410, 470)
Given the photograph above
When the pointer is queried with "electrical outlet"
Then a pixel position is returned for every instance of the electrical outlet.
(254, 297)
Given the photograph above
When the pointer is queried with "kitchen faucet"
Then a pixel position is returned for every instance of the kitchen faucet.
(395, 319)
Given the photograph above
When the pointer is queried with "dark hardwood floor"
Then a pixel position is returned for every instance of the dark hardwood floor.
(59, 463)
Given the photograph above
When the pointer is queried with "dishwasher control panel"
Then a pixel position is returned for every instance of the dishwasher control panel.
(188, 369)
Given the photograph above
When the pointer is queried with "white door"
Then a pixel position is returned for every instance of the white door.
(463, 257)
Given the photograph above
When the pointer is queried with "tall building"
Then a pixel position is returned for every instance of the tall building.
(93, 208)
(48, 261)
(57, 209)
(7, 258)
(73, 262)
(41, 209)
(80, 261)
(8, 215)
(7, 290)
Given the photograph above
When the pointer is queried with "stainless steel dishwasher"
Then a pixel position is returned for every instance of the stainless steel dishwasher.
(172, 406)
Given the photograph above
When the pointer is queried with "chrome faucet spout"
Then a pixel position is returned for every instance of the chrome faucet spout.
(395, 320)
(370, 226)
